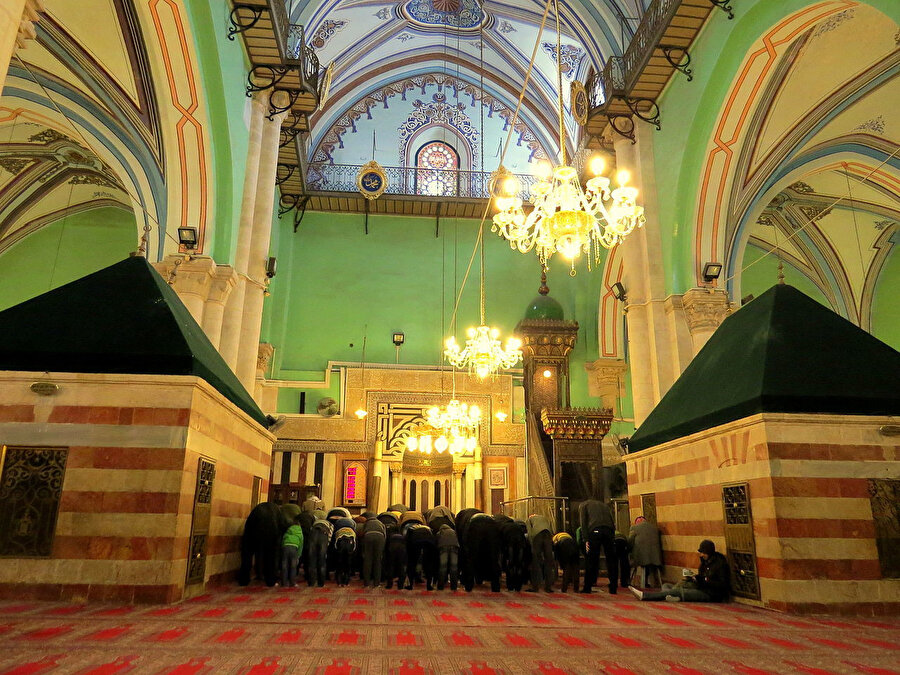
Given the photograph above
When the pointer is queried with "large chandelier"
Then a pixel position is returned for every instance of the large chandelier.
(483, 353)
(566, 219)
(452, 428)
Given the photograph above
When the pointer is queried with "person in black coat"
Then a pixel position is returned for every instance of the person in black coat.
(598, 528)
(261, 543)
(712, 583)
(514, 544)
(420, 550)
(395, 557)
(481, 541)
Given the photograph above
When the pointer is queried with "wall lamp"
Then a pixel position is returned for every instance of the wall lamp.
(270, 267)
(711, 271)
(398, 339)
(187, 237)
(618, 291)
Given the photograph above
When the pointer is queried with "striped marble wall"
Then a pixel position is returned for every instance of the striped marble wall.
(124, 523)
(808, 482)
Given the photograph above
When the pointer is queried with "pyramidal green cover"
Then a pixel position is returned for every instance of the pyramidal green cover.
(122, 319)
(782, 352)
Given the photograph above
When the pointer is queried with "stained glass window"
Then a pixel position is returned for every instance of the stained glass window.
(437, 167)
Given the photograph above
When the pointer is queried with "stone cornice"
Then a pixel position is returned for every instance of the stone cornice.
(581, 424)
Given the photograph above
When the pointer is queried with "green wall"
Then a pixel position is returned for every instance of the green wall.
(223, 67)
(64, 251)
(886, 303)
(760, 273)
(336, 284)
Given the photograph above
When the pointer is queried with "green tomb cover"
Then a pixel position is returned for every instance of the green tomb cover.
(782, 352)
(122, 319)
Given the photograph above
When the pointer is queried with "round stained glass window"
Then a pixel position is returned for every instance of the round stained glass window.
(437, 169)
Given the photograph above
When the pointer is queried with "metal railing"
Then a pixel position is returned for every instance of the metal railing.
(556, 510)
(440, 183)
(292, 47)
(620, 74)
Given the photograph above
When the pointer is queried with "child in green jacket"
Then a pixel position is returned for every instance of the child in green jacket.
(291, 546)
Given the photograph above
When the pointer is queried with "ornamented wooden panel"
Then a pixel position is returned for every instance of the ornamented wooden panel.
(31, 482)
(648, 507)
(739, 542)
(206, 475)
(885, 499)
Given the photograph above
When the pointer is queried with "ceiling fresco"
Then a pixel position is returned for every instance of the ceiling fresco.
(815, 156)
(46, 176)
(374, 44)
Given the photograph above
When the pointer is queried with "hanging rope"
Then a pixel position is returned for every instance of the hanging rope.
(512, 125)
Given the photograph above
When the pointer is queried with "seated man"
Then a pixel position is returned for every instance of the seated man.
(712, 583)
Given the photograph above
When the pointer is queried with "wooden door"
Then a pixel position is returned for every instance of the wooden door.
(739, 543)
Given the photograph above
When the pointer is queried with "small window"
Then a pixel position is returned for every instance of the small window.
(437, 493)
(412, 495)
(437, 171)
(355, 474)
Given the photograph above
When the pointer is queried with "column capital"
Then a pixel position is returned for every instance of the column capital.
(187, 274)
(458, 470)
(263, 357)
(705, 308)
(223, 280)
(606, 380)
(396, 467)
(30, 16)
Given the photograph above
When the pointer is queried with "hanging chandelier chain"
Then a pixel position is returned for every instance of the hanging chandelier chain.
(562, 126)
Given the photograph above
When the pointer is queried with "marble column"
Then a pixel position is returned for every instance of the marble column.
(17, 19)
(229, 345)
(263, 209)
(397, 483)
(220, 288)
(655, 359)
(456, 501)
(470, 487)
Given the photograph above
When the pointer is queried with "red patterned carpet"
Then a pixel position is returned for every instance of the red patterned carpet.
(350, 631)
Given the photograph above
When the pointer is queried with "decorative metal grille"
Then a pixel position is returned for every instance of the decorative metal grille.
(205, 476)
(884, 495)
(737, 507)
(743, 574)
(30, 489)
(648, 507)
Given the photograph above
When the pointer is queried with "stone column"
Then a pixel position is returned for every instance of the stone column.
(17, 19)
(263, 208)
(234, 308)
(456, 496)
(653, 358)
(220, 288)
(705, 309)
(190, 278)
(470, 487)
(397, 492)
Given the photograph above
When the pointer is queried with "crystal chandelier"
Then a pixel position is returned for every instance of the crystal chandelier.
(483, 353)
(452, 428)
(566, 219)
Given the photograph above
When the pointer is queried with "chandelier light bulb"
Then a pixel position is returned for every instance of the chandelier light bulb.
(623, 177)
(597, 165)
(501, 416)
(543, 170)
(412, 443)
(441, 444)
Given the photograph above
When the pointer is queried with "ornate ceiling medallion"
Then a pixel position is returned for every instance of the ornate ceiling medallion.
(464, 16)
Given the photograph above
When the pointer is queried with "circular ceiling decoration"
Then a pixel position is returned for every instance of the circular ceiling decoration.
(458, 15)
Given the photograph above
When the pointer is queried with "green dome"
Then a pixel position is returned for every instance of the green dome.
(544, 307)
